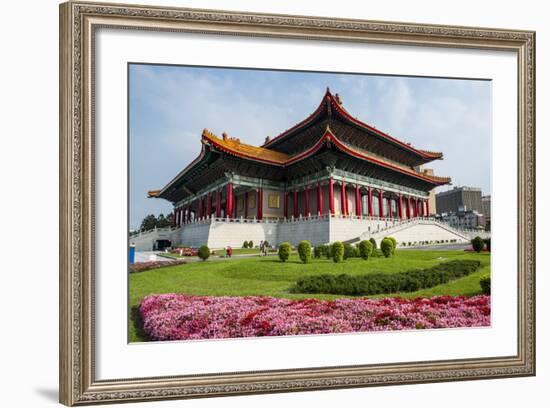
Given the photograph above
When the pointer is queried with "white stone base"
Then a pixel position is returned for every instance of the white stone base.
(220, 233)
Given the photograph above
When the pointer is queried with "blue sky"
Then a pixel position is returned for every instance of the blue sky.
(171, 105)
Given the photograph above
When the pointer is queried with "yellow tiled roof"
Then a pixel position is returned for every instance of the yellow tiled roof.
(234, 145)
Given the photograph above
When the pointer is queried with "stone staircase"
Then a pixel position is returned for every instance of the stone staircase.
(416, 230)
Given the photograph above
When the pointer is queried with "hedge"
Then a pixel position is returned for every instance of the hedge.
(485, 283)
(377, 283)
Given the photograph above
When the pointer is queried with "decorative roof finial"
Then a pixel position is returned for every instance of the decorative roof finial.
(267, 139)
(338, 99)
(328, 89)
(224, 136)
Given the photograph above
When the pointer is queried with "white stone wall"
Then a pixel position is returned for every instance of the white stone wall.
(315, 231)
(145, 241)
(223, 234)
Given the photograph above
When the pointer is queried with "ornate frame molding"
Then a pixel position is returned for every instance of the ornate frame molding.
(78, 20)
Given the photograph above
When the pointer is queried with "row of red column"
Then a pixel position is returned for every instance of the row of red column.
(419, 207)
(414, 207)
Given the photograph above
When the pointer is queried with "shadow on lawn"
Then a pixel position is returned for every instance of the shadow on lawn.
(137, 321)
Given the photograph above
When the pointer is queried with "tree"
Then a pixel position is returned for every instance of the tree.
(478, 244)
(164, 221)
(304, 251)
(387, 247)
(148, 223)
(204, 252)
(284, 251)
(337, 251)
(365, 249)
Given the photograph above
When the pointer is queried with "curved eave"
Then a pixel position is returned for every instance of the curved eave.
(328, 138)
(424, 154)
(162, 193)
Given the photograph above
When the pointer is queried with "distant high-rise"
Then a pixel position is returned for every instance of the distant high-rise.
(459, 199)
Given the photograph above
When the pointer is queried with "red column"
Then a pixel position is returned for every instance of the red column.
(229, 201)
(421, 207)
(427, 208)
(306, 192)
(218, 204)
(319, 199)
(370, 202)
(295, 205)
(408, 207)
(357, 200)
(246, 204)
(415, 207)
(260, 204)
(286, 204)
(343, 199)
(331, 195)
(209, 205)
(389, 208)
(381, 203)
(400, 206)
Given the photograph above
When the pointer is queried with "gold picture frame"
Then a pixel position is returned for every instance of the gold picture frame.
(274, 201)
(78, 22)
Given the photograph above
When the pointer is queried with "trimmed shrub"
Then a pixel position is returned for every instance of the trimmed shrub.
(245, 244)
(304, 251)
(387, 247)
(488, 244)
(394, 241)
(377, 283)
(328, 253)
(373, 242)
(317, 251)
(478, 244)
(485, 283)
(204, 252)
(349, 251)
(284, 251)
(250, 244)
(337, 251)
(365, 249)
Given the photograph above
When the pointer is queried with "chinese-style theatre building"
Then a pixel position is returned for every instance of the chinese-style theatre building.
(330, 177)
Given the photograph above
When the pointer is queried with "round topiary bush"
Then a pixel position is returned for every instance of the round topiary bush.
(387, 247)
(337, 251)
(250, 244)
(304, 251)
(478, 244)
(284, 251)
(365, 249)
(349, 251)
(373, 242)
(204, 252)
(245, 244)
(488, 244)
(485, 283)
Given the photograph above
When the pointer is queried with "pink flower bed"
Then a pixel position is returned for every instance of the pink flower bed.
(182, 317)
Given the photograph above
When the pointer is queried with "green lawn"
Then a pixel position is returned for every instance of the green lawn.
(269, 277)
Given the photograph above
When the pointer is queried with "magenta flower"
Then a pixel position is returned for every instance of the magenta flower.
(183, 317)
